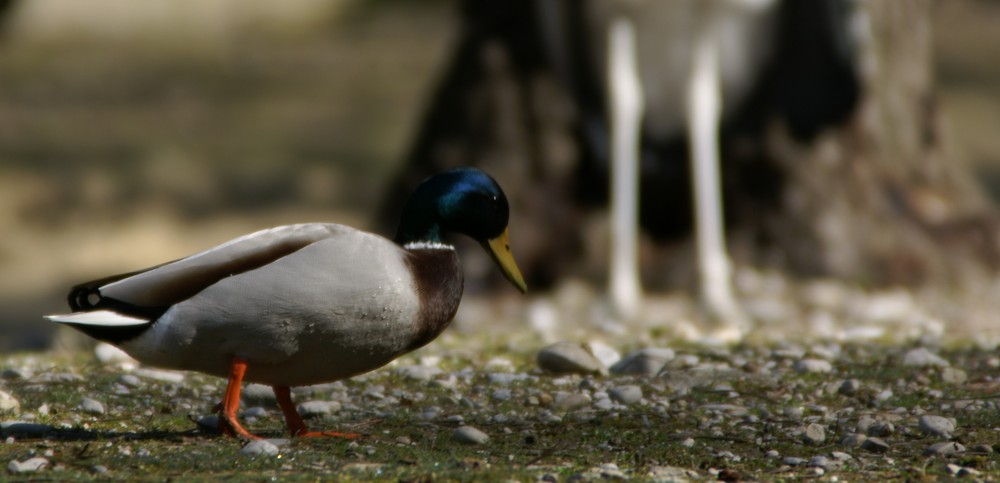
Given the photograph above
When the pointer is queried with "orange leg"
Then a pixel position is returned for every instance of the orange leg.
(294, 420)
(231, 402)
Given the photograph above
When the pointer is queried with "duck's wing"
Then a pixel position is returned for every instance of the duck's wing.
(124, 304)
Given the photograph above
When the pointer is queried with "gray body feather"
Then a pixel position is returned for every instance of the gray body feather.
(322, 302)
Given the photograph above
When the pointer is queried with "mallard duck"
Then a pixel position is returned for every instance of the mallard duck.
(302, 304)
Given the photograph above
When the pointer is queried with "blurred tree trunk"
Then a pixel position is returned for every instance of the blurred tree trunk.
(882, 198)
(875, 196)
(6, 9)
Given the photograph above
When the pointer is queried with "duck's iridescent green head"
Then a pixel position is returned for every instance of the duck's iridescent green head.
(461, 200)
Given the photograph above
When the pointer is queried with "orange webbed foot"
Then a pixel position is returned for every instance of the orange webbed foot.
(228, 423)
(296, 426)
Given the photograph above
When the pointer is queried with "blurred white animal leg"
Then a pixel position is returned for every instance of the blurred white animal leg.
(626, 118)
(704, 115)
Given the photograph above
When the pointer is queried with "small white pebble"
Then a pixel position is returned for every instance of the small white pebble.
(260, 447)
(470, 435)
(108, 354)
(160, 375)
(27, 466)
(91, 406)
(921, 357)
(815, 366)
(629, 394)
(9, 403)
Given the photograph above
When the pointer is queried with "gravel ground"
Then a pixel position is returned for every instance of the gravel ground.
(846, 411)
(870, 387)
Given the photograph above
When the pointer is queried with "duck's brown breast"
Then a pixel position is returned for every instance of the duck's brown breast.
(437, 276)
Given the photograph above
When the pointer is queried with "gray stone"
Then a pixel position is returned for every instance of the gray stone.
(109, 354)
(130, 380)
(258, 394)
(99, 469)
(921, 357)
(884, 396)
(470, 435)
(841, 456)
(683, 361)
(729, 456)
(824, 462)
(260, 447)
(728, 409)
(9, 403)
(944, 449)
(569, 358)
(571, 401)
(159, 375)
(936, 425)
(629, 394)
(375, 392)
(208, 423)
(864, 424)
(506, 378)
(981, 449)
(814, 434)
(604, 404)
(971, 472)
(254, 412)
(604, 353)
(609, 471)
(30, 465)
(91, 406)
(875, 445)
(670, 474)
(853, 440)
(953, 376)
(58, 377)
(15, 374)
(793, 461)
(816, 366)
(849, 387)
(418, 372)
(882, 429)
(789, 352)
(312, 409)
(646, 361)
(794, 412)
(501, 395)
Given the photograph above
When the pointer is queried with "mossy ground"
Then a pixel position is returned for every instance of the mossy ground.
(150, 432)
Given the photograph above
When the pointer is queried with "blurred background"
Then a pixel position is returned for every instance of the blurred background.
(137, 132)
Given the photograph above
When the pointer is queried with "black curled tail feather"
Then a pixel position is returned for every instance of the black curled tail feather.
(86, 297)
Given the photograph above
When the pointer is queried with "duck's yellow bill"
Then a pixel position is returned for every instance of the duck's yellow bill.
(499, 248)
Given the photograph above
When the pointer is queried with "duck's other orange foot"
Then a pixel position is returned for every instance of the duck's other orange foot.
(296, 426)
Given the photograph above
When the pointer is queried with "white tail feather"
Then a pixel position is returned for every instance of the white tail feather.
(105, 318)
